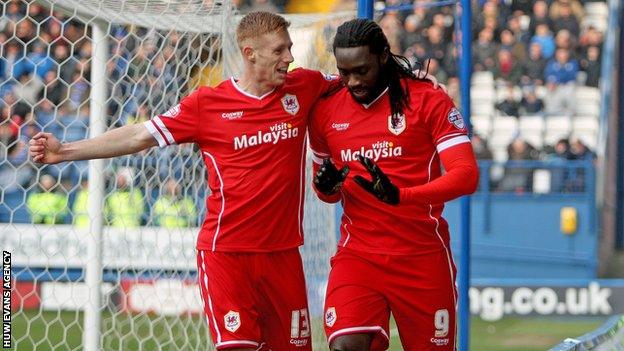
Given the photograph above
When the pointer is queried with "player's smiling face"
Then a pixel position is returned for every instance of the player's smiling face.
(272, 57)
(360, 71)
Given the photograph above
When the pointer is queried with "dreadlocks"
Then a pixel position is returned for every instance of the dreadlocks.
(363, 32)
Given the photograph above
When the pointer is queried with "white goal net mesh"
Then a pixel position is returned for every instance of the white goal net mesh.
(158, 51)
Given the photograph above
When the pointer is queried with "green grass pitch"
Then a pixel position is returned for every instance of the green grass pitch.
(62, 331)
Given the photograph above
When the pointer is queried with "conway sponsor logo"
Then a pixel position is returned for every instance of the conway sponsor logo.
(378, 150)
(275, 134)
(493, 303)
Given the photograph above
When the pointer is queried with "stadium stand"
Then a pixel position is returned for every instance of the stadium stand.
(517, 92)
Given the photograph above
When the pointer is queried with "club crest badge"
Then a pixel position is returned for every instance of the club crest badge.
(173, 112)
(290, 104)
(330, 316)
(456, 119)
(232, 321)
(396, 124)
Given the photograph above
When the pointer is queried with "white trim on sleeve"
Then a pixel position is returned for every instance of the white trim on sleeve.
(164, 130)
(317, 157)
(452, 142)
(155, 133)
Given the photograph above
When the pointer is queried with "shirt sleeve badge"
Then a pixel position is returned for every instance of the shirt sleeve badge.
(396, 124)
(173, 112)
(456, 119)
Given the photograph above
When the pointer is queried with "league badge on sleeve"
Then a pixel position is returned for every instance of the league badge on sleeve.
(232, 321)
(456, 119)
(396, 124)
(290, 104)
(173, 112)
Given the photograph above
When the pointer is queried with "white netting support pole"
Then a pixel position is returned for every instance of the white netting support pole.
(97, 123)
(232, 62)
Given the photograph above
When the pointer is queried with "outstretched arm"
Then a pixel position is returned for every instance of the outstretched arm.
(46, 148)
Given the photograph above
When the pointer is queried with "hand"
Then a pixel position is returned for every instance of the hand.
(424, 75)
(380, 186)
(328, 178)
(45, 148)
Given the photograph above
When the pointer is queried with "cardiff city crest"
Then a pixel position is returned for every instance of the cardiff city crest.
(330, 316)
(396, 124)
(232, 321)
(291, 104)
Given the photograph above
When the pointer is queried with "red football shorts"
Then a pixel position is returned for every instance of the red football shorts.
(419, 290)
(255, 300)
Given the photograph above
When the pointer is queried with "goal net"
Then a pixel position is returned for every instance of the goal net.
(75, 68)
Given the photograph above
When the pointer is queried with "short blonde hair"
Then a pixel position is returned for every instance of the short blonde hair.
(259, 23)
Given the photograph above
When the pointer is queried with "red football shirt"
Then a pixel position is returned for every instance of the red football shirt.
(407, 151)
(254, 149)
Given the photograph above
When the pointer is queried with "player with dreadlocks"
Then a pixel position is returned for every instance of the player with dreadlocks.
(394, 254)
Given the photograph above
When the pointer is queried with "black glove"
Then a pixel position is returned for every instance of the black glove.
(328, 178)
(380, 186)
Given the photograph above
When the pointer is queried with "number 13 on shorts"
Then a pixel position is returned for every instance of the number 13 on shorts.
(300, 324)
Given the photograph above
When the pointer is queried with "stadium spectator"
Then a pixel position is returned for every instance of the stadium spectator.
(484, 51)
(173, 209)
(539, 16)
(247, 6)
(517, 48)
(125, 205)
(543, 36)
(560, 176)
(27, 88)
(509, 106)
(53, 90)
(565, 20)
(80, 212)
(507, 69)
(480, 147)
(560, 75)
(393, 29)
(519, 179)
(565, 40)
(533, 68)
(411, 32)
(40, 60)
(47, 206)
(521, 33)
(436, 47)
(15, 172)
(64, 61)
(387, 260)
(580, 151)
(591, 65)
(530, 103)
(557, 6)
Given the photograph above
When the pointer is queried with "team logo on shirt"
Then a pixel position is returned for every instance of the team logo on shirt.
(456, 118)
(173, 112)
(290, 104)
(330, 316)
(232, 321)
(396, 124)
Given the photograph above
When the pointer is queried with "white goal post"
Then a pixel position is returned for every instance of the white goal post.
(76, 68)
